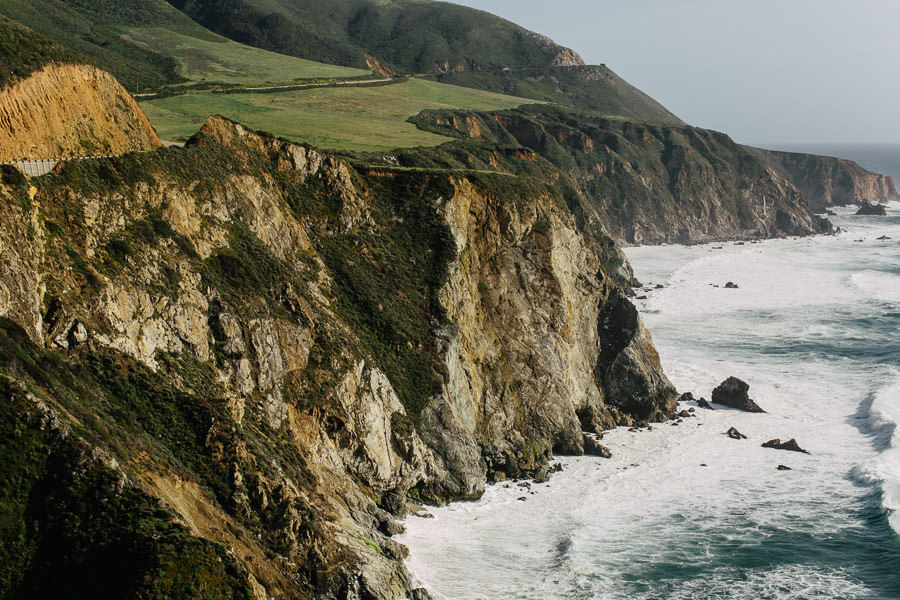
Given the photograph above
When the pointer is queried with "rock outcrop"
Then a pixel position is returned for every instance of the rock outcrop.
(733, 393)
(790, 445)
(869, 209)
(66, 110)
(734, 434)
(826, 181)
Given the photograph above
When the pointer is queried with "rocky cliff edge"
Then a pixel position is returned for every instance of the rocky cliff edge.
(286, 350)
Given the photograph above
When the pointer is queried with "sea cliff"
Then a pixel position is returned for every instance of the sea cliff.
(284, 348)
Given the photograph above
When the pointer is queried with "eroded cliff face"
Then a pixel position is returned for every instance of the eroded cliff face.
(286, 349)
(70, 110)
(638, 182)
(827, 181)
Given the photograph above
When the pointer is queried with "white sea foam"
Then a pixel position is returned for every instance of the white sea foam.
(684, 511)
(884, 418)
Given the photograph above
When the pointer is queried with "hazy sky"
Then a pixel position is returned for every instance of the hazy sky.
(760, 70)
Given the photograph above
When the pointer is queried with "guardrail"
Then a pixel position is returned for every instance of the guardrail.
(36, 168)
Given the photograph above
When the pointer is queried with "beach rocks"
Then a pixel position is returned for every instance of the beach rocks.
(595, 448)
(733, 393)
(783, 468)
(731, 285)
(791, 445)
(871, 209)
(689, 397)
(420, 594)
(735, 434)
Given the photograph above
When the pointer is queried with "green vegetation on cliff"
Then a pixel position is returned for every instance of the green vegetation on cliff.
(23, 51)
(641, 182)
(67, 519)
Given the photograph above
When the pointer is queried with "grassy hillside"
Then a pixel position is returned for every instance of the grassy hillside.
(414, 36)
(455, 44)
(594, 87)
(204, 57)
(348, 118)
(149, 44)
(86, 27)
(23, 51)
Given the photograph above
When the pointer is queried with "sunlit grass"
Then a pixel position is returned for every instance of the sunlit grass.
(349, 118)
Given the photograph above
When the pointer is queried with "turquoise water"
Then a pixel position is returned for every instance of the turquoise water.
(683, 511)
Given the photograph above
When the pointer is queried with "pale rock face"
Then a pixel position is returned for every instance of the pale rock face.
(372, 452)
(523, 350)
(21, 255)
(141, 326)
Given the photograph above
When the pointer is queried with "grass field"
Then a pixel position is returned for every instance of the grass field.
(368, 119)
(204, 57)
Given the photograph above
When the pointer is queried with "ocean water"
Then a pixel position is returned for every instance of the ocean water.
(685, 512)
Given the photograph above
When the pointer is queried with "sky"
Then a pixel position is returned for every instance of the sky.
(763, 71)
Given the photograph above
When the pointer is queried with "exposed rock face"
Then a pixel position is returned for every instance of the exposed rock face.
(565, 57)
(335, 340)
(733, 393)
(826, 181)
(71, 110)
(867, 208)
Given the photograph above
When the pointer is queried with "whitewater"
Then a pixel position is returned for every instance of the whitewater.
(683, 511)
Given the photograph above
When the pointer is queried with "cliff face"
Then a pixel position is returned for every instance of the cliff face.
(285, 348)
(640, 183)
(826, 181)
(70, 110)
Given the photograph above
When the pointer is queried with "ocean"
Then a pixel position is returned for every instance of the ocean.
(684, 511)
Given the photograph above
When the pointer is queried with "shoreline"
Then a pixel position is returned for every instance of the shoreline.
(775, 396)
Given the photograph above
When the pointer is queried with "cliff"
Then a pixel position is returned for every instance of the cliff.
(67, 110)
(285, 349)
(636, 182)
(827, 181)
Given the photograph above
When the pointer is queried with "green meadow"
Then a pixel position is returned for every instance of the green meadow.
(356, 118)
(204, 57)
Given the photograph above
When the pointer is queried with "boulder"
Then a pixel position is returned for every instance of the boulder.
(595, 448)
(735, 434)
(689, 397)
(686, 397)
(731, 285)
(791, 445)
(871, 209)
(733, 393)
(783, 468)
